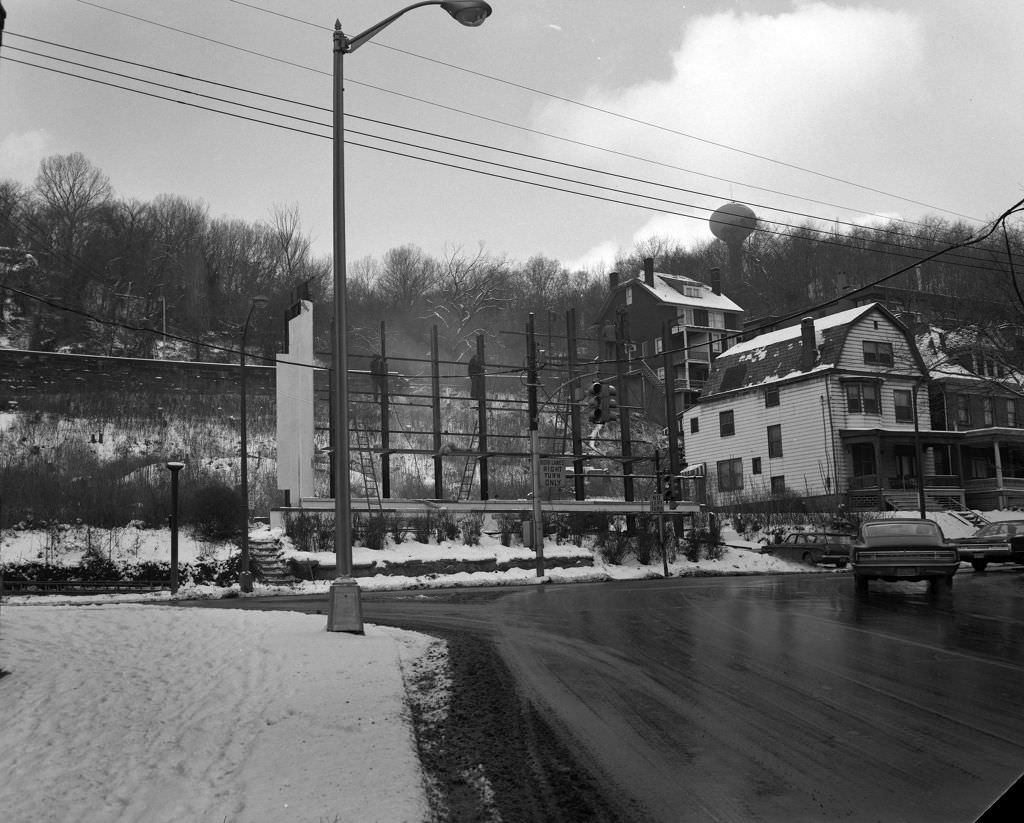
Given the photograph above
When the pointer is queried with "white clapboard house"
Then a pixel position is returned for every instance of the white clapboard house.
(825, 409)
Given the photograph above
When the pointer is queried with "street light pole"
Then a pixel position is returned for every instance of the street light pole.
(245, 575)
(344, 607)
(174, 467)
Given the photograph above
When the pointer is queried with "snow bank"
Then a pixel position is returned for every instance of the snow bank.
(116, 713)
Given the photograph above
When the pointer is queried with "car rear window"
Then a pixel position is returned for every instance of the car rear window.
(902, 529)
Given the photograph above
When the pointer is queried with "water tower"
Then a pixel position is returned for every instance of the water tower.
(732, 224)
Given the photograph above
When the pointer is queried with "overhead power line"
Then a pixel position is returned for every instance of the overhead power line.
(517, 126)
(825, 234)
(625, 117)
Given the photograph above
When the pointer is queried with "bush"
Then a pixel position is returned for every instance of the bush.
(614, 544)
(422, 527)
(214, 512)
(311, 532)
(375, 532)
(507, 525)
(445, 527)
(398, 528)
(472, 527)
(646, 544)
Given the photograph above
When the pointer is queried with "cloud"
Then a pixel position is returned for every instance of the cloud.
(818, 87)
(20, 154)
(598, 259)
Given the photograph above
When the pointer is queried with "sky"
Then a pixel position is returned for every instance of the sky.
(838, 111)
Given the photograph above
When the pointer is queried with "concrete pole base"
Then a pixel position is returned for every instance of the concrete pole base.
(245, 581)
(345, 609)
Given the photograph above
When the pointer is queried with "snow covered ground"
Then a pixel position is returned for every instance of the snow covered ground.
(121, 711)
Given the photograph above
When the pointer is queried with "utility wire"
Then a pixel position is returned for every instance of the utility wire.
(627, 118)
(826, 233)
(516, 126)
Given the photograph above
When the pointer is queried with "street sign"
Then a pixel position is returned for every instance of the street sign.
(657, 504)
(552, 472)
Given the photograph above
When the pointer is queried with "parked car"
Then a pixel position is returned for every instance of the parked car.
(991, 544)
(813, 548)
(903, 549)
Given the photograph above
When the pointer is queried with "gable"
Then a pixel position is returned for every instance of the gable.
(779, 355)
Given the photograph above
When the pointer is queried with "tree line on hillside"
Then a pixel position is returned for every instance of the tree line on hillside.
(86, 270)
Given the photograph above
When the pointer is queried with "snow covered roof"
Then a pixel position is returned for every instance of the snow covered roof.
(671, 289)
(773, 338)
(778, 355)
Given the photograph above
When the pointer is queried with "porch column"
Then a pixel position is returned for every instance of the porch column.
(1000, 491)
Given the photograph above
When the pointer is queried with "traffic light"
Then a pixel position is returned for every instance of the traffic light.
(667, 488)
(595, 400)
(609, 405)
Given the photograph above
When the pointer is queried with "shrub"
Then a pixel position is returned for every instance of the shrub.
(375, 532)
(646, 542)
(614, 544)
(311, 532)
(422, 527)
(445, 527)
(507, 525)
(213, 511)
(472, 527)
(398, 528)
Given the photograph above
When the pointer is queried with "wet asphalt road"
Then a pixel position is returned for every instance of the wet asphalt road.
(764, 698)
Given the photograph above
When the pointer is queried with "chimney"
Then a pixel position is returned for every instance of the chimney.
(613, 280)
(808, 349)
(649, 271)
(715, 276)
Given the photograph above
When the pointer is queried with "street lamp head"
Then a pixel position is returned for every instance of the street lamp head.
(174, 465)
(468, 12)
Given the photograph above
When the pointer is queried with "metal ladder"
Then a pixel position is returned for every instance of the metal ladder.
(364, 450)
(469, 469)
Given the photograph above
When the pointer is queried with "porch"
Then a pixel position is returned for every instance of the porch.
(900, 470)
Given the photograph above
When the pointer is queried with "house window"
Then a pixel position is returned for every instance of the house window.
(963, 410)
(726, 424)
(862, 398)
(694, 425)
(700, 317)
(771, 397)
(660, 371)
(629, 295)
(903, 403)
(877, 354)
(988, 411)
(755, 465)
(1011, 413)
(730, 475)
(732, 321)
(659, 345)
(774, 441)
(779, 484)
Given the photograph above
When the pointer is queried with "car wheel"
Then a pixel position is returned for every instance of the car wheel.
(808, 558)
(979, 565)
(861, 584)
(840, 564)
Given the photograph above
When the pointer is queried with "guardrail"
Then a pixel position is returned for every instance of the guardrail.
(80, 586)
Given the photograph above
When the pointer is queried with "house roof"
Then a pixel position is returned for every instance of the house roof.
(669, 290)
(777, 355)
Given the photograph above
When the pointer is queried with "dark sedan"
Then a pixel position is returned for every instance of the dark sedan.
(991, 544)
(813, 548)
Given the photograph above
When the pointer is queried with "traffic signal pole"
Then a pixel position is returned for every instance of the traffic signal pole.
(531, 395)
